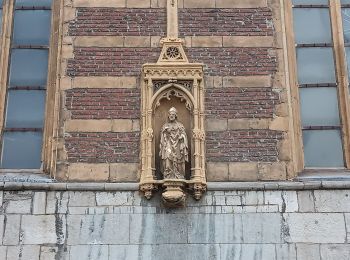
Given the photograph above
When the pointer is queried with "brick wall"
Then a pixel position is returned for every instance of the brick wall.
(243, 146)
(241, 102)
(101, 103)
(110, 43)
(128, 61)
(141, 22)
(102, 147)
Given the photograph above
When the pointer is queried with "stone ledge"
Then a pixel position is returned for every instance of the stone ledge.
(51, 185)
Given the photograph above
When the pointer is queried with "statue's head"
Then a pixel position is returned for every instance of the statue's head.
(172, 114)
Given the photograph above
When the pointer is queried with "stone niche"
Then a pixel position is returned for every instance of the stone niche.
(172, 82)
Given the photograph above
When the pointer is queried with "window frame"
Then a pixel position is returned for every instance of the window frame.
(342, 81)
(48, 156)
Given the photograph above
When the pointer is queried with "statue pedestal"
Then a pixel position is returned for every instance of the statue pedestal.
(174, 195)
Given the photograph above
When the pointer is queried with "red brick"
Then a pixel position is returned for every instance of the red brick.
(99, 103)
(102, 147)
(230, 103)
(243, 146)
(128, 61)
(143, 22)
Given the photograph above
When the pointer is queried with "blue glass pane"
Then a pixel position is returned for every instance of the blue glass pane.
(29, 3)
(312, 25)
(21, 150)
(310, 2)
(347, 53)
(32, 27)
(28, 67)
(345, 1)
(25, 109)
(319, 107)
(315, 65)
(323, 148)
(346, 24)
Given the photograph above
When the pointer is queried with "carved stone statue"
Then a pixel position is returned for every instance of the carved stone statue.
(173, 147)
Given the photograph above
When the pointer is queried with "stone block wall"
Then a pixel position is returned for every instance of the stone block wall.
(105, 43)
(245, 224)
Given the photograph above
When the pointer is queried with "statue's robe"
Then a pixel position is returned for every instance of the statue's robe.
(173, 150)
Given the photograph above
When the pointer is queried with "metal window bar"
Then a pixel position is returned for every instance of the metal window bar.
(41, 47)
(319, 85)
(333, 127)
(311, 6)
(32, 8)
(23, 129)
(312, 45)
(27, 88)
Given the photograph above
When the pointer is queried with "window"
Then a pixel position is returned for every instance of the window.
(26, 82)
(319, 84)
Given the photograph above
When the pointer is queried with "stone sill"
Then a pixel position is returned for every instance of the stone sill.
(25, 180)
(212, 186)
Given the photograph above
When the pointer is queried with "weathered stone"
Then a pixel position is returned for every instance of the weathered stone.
(253, 198)
(274, 198)
(1, 198)
(153, 229)
(98, 229)
(347, 222)
(88, 172)
(306, 201)
(49, 253)
(286, 252)
(240, 4)
(138, 3)
(2, 218)
(206, 41)
(12, 228)
(3, 250)
(39, 203)
(201, 4)
(123, 172)
(39, 229)
(272, 171)
(80, 199)
(315, 228)
(89, 252)
(57, 202)
(243, 171)
(247, 41)
(246, 82)
(262, 227)
(165, 251)
(217, 171)
(216, 124)
(308, 251)
(19, 206)
(113, 198)
(290, 201)
(124, 252)
(220, 228)
(248, 251)
(335, 252)
(23, 252)
(332, 200)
